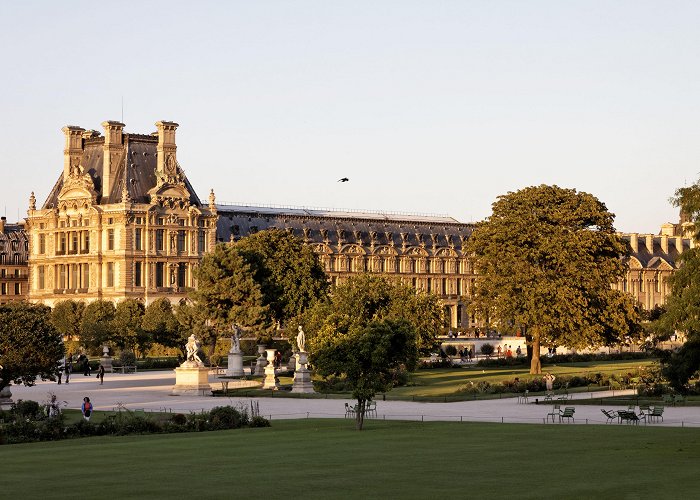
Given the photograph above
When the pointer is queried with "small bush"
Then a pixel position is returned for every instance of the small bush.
(451, 350)
(26, 409)
(487, 349)
(259, 421)
(179, 419)
(225, 417)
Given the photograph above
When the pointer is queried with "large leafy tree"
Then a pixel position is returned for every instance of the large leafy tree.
(367, 355)
(367, 329)
(682, 310)
(288, 272)
(30, 345)
(160, 323)
(227, 293)
(66, 317)
(545, 261)
(97, 326)
(128, 333)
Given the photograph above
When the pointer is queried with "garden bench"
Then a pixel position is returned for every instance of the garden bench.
(523, 398)
(629, 416)
(556, 412)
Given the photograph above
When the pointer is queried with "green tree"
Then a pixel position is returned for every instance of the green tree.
(545, 261)
(160, 323)
(66, 317)
(128, 333)
(96, 327)
(290, 276)
(366, 354)
(193, 320)
(227, 293)
(30, 345)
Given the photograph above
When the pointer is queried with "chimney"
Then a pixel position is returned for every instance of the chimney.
(679, 244)
(167, 159)
(633, 243)
(649, 243)
(664, 243)
(668, 229)
(2, 224)
(112, 153)
(73, 152)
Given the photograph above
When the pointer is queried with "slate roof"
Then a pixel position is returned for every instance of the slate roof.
(236, 221)
(139, 175)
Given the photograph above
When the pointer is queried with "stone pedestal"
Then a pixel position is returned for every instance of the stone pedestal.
(292, 363)
(271, 381)
(191, 379)
(5, 398)
(261, 362)
(235, 364)
(106, 361)
(302, 375)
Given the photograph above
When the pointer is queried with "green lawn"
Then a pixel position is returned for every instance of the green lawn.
(328, 459)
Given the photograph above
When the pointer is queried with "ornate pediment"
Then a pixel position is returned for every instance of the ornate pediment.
(170, 189)
(416, 251)
(78, 187)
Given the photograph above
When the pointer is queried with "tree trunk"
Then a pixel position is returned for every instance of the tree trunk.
(360, 414)
(535, 364)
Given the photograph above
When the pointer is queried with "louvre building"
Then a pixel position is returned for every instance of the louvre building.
(123, 221)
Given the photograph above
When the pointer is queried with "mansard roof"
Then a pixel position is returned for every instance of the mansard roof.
(344, 227)
(655, 256)
(136, 169)
(14, 240)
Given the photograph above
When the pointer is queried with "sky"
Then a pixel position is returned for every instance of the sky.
(431, 107)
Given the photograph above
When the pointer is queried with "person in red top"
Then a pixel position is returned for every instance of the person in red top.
(86, 408)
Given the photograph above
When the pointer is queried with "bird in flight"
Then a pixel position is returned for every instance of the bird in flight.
(344, 179)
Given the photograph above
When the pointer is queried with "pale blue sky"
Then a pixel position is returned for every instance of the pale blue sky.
(427, 106)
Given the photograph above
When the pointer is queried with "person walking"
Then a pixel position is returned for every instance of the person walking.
(86, 408)
(101, 373)
(68, 368)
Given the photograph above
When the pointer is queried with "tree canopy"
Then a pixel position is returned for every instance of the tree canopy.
(30, 345)
(127, 331)
(290, 276)
(96, 327)
(160, 323)
(545, 261)
(66, 317)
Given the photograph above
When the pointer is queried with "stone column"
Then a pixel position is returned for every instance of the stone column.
(235, 362)
(261, 362)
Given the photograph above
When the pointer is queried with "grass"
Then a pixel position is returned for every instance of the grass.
(328, 459)
(445, 383)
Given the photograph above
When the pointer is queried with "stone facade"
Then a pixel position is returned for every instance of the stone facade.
(14, 250)
(122, 221)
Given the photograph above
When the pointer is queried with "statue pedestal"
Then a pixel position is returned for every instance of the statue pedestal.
(106, 361)
(271, 381)
(5, 398)
(235, 364)
(191, 379)
(302, 375)
(292, 363)
(261, 362)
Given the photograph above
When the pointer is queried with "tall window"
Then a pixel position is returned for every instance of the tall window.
(62, 277)
(160, 239)
(160, 269)
(137, 274)
(18, 290)
(41, 281)
(3, 288)
(137, 239)
(87, 241)
(75, 241)
(42, 244)
(110, 239)
(62, 243)
(110, 274)
(201, 244)
(180, 241)
(181, 274)
(85, 277)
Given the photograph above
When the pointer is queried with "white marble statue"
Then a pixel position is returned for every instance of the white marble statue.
(301, 340)
(236, 339)
(192, 347)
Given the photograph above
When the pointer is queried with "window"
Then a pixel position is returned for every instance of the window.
(110, 274)
(85, 277)
(160, 239)
(3, 288)
(62, 244)
(18, 290)
(42, 244)
(110, 239)
(87, 242)
(137, 239)
(41, 281)
(427, 265)
(160, 269)
(459, 286)
(181, 241)
(181, 274)
(137, 274)
(202, 241)
(62, 277)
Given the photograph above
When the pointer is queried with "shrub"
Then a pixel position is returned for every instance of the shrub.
(259, 421)
(487, 349)
(26, 409)
(225, 417)
(451, 350)
(179, 419)
(127, 358)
